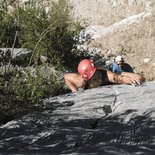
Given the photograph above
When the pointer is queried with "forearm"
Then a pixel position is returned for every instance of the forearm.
(71, 86)
(69, 79)
(133, 77)
(121, 79)
(124, 78)
(128, 74)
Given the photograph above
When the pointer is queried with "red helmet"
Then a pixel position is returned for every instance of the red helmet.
(86, 69)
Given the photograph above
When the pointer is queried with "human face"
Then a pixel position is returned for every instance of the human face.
(120, 63)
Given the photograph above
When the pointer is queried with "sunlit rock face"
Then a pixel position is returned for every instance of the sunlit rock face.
(114, 119)
(123, 27)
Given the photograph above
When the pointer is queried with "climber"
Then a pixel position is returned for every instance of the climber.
(89, 76)
(120, 66)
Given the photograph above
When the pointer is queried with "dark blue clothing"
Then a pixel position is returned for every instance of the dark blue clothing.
(125, 68)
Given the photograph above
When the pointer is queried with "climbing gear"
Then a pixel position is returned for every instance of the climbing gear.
(116, 69)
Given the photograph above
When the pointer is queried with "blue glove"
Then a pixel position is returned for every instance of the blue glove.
(116, 69)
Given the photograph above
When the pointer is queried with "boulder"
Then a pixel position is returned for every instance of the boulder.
(112, 119)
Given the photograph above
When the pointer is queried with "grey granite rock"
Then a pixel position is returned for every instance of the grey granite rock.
(112, 119)
(17, 53)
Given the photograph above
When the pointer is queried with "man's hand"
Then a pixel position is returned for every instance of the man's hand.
(134, 78)
(124, 78)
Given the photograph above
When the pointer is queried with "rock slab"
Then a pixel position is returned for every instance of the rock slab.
(112, 119)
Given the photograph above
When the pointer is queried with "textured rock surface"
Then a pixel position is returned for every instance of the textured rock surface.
(114, 119)
(122, 27)
(17, 53)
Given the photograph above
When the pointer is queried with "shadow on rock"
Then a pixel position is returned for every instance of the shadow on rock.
(47, 133)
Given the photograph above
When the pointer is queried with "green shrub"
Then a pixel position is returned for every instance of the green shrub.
(23, 91)
(48, 34)
(45, 33)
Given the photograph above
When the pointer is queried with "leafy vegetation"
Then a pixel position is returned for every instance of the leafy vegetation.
(22, 91)
(45, 33)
